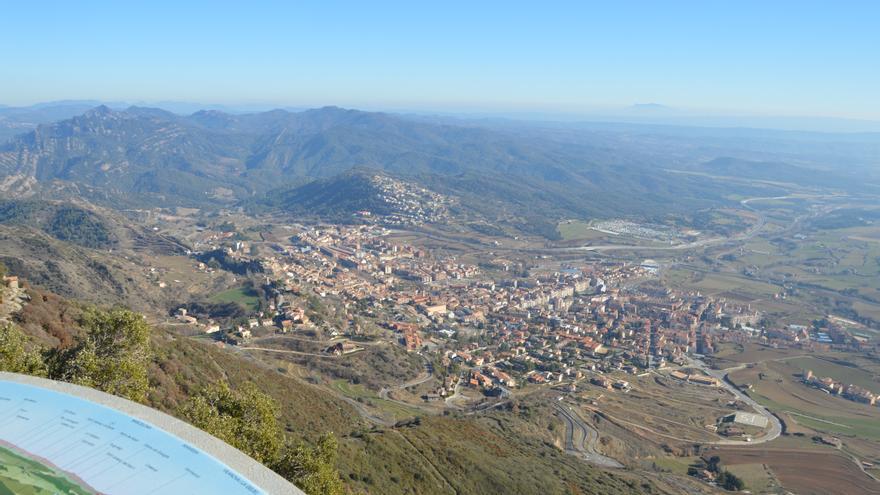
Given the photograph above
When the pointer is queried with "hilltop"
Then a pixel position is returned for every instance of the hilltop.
(363, 193)
(82, 251)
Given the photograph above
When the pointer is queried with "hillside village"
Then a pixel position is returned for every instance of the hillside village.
(408, 204)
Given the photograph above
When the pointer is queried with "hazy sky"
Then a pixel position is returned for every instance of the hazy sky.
(768, 57)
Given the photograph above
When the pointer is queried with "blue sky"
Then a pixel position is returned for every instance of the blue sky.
(767, 57)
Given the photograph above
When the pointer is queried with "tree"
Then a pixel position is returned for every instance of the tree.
(247, 419)
(244, 418)
(15, 356)
(713, 463)
(112, 355)
(730, 481)
(313, 469)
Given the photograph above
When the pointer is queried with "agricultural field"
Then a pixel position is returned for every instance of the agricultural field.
(758, 477)
(720, 284)
(730, 355)
(578, 230)
(844, 371)
(867, 309)
(805, 471)
(575, 229)
(724, 221)
(811, 258)
(777, 385)
(845, 262)
(244, 296)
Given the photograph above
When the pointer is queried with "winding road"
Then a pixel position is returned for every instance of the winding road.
(581, 439)
(423, 377)
(297, 353)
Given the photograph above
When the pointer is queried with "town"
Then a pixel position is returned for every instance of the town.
(492, 326)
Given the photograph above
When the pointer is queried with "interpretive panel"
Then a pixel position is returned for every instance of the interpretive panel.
(52, 442)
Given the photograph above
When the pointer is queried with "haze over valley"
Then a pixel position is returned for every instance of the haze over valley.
(358, 254)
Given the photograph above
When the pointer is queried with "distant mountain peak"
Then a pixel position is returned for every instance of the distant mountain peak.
(99, 111)
(212, 118)
(149, 112)
(210, 113)
(331, 110)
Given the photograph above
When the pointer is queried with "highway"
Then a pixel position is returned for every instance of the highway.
(581, 439)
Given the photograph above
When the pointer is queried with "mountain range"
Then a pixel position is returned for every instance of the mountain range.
(149, 157)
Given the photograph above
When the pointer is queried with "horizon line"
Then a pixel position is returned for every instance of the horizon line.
(648, 113)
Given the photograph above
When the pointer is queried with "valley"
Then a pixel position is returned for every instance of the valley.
(440, 248)
(460, 335)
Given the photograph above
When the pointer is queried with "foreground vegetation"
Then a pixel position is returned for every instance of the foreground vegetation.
(113, 353)
(248, 420)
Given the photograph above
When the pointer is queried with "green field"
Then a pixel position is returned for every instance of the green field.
(757, 477)
(578, 229)
(354, 391)
(244, 296)
(868, 428)
(22, 476)
(729, 355)
(838, 260)
(867, 309)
